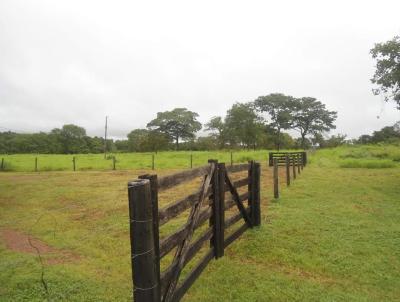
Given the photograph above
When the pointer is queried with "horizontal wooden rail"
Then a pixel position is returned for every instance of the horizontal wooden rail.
(235, 235)
(231, 202)
(170, 181)
(177, 207)
(168, 243)
(235, 218)
(237, 168)
(240, 183)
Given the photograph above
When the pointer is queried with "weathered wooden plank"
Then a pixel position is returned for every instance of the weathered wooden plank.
(236, 234)
(193, 250)
(276, 179)
(156, 235)
(193, 275)
(237, 168)
(183, 247)
(144, 271)
(169, 181)
(177, 207)
(235, 218)
(168, 243)
(230, 202)
(236, 198)
(241, 182)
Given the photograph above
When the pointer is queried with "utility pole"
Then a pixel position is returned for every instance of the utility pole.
(105, 139)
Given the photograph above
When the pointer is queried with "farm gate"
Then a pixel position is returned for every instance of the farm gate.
(207, 204)
(301, 157)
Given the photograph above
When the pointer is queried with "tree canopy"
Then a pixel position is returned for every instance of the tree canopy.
(279, 109)
(179, 123)
(310, 116)
(387, 73)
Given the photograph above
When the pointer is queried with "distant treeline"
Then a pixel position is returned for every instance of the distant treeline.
(257, 125)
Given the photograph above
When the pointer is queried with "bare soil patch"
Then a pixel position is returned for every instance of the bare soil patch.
(19, 242)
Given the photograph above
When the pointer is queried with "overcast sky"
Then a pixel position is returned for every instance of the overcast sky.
(77, 61)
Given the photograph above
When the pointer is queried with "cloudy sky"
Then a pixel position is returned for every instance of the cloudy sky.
(78, 61)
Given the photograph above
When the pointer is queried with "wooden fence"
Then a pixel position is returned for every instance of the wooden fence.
(281, 157)
(149, 283)
(294, 164)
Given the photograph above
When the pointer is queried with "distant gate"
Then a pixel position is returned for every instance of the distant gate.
(152, 285)
(281, 158)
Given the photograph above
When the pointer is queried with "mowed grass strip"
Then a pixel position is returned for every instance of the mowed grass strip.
(334, 235)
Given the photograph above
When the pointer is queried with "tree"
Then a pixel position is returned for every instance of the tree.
(385, 134)
(278, 107)
(179, 123)
(137, 139)
(217, 125)
(71, 138)
(387, 73)
(243, 126)
(310, 116)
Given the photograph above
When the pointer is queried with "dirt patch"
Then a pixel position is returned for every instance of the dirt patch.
(23, 243)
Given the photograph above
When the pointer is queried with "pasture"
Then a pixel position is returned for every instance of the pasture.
(333, 235)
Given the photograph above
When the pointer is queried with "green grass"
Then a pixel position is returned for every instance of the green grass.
(334, 235)
(163, 160)
(369, 164)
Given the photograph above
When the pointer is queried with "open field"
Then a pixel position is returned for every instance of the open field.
(334, 234)
(162, 160)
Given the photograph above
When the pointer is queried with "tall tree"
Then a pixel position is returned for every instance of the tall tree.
(137, 139)
(310, 116)
(387, 73)
(278, 107)
(217, 125)
(179, 123)
(243, 125)
(72, 138)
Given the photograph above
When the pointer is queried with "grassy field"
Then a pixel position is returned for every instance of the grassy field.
(334, 235)
(124, 161)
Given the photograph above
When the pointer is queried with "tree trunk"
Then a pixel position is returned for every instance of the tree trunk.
(278, 143)
(303, 138)
(177, 143)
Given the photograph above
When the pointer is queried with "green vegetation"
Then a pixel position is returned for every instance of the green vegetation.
(332, 236)
(387, 74)
(124, 161)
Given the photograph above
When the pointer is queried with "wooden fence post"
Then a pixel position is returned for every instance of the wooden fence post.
(36, 164)
(287, 170)
(215, 219)
(231, 158)
(270, 159)
(250, 189)
(152, 161)
(154, 202)
(221, 192)
(2, 164)
(304, 157)
(73, 163)
(144, 269)
(276, 179)
(191, 161)
(298, 158)
(114, 161)
(256, 209)
(294, 166)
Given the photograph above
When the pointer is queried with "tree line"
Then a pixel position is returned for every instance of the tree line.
(257, 124)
